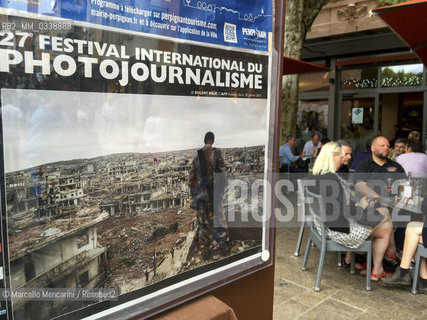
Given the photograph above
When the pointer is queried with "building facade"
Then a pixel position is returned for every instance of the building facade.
(375, 85)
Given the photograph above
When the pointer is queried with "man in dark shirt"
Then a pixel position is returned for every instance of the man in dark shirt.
(371, 178)
(377, 167)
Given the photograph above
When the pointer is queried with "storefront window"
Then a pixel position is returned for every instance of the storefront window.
(357, 123)
(312, 117)
(403, 75)
(362, 78)
(400, 113)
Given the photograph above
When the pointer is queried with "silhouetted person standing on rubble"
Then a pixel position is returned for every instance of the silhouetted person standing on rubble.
(207, 189)
(146, 275)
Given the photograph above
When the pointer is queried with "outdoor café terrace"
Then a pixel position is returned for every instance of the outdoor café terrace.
(342, 295)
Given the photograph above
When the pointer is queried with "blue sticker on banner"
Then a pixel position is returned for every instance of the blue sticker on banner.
(238, 23)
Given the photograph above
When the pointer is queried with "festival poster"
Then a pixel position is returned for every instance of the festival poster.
(99, 132)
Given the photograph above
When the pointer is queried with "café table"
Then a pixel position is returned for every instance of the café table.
(403, 210)
(402, 203)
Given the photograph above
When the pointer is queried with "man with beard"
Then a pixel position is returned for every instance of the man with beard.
(372, 175)
(379, 167)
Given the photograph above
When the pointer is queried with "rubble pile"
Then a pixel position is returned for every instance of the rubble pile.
(131, 246)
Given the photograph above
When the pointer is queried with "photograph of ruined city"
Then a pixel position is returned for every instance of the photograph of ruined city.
(97, 192)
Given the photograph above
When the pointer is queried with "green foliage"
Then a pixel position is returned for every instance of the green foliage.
(391, 78)
(383, 3)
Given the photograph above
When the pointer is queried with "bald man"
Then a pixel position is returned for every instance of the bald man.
(378, 166)
(375, 169)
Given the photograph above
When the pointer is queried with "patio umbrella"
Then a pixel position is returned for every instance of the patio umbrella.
(295, 66)
(407, 19)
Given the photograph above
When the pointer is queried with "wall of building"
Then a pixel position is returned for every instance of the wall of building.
(17, 274)
(93, 271)
(345, 16)
(47, 257)
(69, 245)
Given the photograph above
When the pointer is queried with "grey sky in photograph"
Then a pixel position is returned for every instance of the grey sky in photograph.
(43, 126)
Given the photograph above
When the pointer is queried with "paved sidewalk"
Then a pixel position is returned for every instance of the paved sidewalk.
(342, 295)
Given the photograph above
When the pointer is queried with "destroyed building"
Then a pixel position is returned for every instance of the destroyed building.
(61, 254)
(37, 194)
(161, 186)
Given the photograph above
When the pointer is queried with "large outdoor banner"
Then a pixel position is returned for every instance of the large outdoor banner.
(105, 134)
(245, 24)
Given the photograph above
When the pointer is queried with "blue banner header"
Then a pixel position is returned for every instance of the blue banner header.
(244, 24)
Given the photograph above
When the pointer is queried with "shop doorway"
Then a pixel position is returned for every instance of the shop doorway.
(358, 120)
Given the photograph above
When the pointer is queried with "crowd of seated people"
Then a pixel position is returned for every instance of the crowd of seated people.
(290, 162)
(367, 216)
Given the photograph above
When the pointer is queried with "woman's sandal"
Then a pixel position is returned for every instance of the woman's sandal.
(378, 277)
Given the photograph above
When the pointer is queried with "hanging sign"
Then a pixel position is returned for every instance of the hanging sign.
(357, 115)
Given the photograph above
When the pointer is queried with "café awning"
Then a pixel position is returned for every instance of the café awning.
(407, 20)
(295, 66)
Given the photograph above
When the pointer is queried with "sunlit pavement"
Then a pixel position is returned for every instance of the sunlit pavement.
(342, 295)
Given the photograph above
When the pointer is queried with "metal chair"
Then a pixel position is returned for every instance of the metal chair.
(312, 200)
(302, 204)
(421, 252)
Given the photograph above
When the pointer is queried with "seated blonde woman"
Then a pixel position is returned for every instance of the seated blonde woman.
(341, 216)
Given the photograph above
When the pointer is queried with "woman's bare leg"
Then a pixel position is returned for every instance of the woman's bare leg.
(412, 238)
(418, 226)
(380, 243)
(391, 248)
(423, 268)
